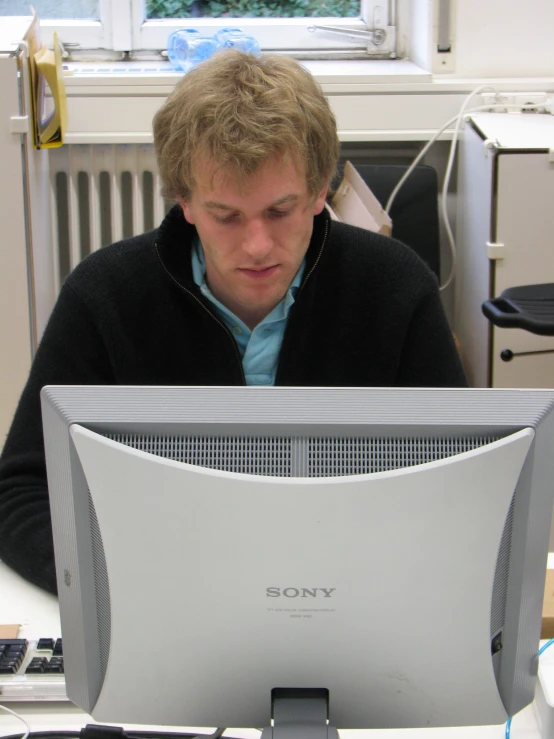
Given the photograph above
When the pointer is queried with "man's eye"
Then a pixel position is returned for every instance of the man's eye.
(278, 213)
(226, 219)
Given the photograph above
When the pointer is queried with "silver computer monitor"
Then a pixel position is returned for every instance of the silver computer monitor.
(385, 545)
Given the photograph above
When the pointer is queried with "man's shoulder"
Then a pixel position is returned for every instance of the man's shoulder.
(123, 260)
(361, 248)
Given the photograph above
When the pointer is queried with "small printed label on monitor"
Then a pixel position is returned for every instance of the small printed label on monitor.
(300, 602)
(301, 612)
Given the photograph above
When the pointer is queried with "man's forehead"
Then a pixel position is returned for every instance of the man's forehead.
(211, 177)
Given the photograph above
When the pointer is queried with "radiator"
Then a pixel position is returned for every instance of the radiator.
(100, 194)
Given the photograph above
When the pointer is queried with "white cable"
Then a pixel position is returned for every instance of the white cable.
(446, 182)
(446, 220)
(457, 119)
(430, 143)
(416, 161)
(13, 713)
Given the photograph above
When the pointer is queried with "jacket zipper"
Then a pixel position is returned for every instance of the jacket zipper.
(304, 281)
(208, 311)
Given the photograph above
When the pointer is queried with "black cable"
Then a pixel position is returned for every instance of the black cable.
(129, 734)
(47, 735)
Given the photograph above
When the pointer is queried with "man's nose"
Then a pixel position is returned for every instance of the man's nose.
(257, 242)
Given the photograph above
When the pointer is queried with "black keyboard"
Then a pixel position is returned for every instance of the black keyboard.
(32, 670)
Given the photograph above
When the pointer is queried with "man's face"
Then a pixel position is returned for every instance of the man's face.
(254, 238)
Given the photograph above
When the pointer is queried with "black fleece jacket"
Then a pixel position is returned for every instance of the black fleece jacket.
(368, 313)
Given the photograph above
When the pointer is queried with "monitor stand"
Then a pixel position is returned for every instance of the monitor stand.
(300, 713)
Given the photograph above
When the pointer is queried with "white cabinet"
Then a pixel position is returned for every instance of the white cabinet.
(505, 238)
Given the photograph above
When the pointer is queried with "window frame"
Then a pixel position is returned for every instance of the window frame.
(122, 27)
(77, 34)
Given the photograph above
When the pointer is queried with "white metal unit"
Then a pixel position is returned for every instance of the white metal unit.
(505, 239)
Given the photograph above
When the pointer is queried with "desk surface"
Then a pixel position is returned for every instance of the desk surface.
(38, 614)
(25, 604)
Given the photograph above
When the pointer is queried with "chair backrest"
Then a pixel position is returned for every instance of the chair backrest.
(414, 212)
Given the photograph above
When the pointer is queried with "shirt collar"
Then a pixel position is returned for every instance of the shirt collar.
(280, 311)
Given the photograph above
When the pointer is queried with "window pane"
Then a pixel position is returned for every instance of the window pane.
(251, 8)
(82, 9)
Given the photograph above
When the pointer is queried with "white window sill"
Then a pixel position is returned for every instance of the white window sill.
(339, 75)
(373, 100)
(335, 72)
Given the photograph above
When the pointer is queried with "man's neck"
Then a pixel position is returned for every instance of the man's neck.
(251, 317)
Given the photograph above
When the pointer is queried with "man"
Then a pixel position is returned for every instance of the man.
(246, 281)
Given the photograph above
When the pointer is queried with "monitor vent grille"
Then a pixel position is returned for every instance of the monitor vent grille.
(102, 588)
(302, 456)
(500, 586)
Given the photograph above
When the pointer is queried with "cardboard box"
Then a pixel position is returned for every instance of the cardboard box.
(354, 203)
(547, 631)
(9, 631)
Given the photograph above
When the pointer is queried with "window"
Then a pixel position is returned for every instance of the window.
(286, 24)
(305, 27)
(76, 9)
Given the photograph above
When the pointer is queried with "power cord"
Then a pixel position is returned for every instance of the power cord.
(13, 713)
(98, 731)
(457, 119)
(446, 182)
(67, 734)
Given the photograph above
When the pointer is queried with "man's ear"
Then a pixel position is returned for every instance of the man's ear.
(187, 210)
(319, 202)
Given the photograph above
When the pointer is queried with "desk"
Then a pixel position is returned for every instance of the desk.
(38, 614)
(25, 604)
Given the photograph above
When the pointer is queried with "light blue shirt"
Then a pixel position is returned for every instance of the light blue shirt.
(259, 348)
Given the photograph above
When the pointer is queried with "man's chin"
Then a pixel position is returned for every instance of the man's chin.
(259, 306)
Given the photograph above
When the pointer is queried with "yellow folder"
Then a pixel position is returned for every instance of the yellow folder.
(49, 128)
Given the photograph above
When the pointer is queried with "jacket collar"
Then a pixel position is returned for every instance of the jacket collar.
(175, 236)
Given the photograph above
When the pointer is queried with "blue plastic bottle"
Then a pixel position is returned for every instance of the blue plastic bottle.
(177, 48)
(236, 38)
(186, 47)
(221, 36)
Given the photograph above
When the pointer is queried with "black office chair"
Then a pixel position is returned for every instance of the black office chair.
(530, 307)
(414, 211)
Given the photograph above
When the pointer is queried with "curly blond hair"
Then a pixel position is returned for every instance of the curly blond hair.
(240, 111)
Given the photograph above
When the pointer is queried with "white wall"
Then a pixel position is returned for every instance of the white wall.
(15, 314)
(491, 38)
(504, 38)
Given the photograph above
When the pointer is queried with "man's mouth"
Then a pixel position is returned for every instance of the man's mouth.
(259, 272)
